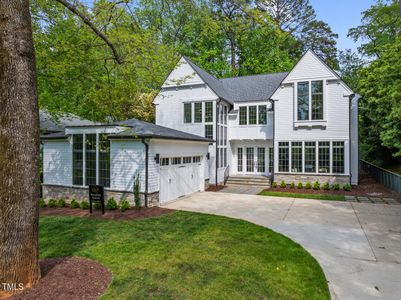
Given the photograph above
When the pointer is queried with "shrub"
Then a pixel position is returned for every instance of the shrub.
(137, 186)
(111, 204)
(335, 186)
(347, 187)
(61, 203)
(52, 203)
(308, 185)
(274, 185)
(282, 184)
(97, 205)
(84, 205)
(316, 186)
(292, 185)
(300, 185)
(326, 186)
(124, 205)
(74, 203)
(42, 203)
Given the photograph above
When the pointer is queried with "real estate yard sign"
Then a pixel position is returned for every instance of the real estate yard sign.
(96, 194)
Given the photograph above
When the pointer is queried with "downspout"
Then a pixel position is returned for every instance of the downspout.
(217, 141)
(351, 98)
(274, 121)
(146, 170)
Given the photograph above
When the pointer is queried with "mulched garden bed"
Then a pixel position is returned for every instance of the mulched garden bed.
(130, 214)
(69, 278)
(367, 187)
(215, 188)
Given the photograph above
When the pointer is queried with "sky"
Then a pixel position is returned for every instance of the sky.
(341, 15)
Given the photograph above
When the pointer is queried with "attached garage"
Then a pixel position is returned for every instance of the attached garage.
(180, 176)
(169, 163)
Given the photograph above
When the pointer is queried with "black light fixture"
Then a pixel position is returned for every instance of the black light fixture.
(157, 158)
(208, 155)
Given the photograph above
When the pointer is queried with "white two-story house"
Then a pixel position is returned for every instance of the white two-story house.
(297, 126)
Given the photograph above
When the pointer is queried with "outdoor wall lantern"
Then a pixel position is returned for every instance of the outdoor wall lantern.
(157, 158)
(208, 155)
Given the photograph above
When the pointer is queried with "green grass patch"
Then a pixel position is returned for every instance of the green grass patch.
(303, 196)
(188, 256)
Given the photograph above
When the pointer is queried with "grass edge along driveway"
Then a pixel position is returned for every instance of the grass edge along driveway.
(303, 196)
(188, 256)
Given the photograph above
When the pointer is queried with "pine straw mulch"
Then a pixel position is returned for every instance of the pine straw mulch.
(69, 278)
(130, 214)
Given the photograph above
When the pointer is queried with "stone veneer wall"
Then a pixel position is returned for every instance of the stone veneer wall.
(80, 194)
(304, 178)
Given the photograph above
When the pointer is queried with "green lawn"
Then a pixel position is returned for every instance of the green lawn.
(188, 256)
(303, 196)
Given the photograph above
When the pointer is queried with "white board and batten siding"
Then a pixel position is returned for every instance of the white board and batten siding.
(57, 162)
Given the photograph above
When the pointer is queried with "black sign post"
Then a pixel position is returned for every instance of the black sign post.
(96, 194)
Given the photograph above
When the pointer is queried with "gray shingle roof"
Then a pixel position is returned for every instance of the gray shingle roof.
(137, 128)
(49, 123)
(244, 88)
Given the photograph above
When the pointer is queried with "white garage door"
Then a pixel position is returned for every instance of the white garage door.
(179, 176)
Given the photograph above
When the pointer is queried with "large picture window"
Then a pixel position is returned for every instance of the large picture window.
(78, 159)
(303, 100)
(90, 159)
(324, 157)
(187, 112)
(338, 157)
(296, 157)
(310, 157)
(198, 112)
(104, 160)
(317, 100)
(283, 156)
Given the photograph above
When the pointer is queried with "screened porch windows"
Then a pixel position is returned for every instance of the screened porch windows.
(90, 159)
(317, 157)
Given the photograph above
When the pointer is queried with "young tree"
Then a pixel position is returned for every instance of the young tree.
(19, 149)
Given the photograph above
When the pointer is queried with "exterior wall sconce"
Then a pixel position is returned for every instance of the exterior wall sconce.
(157, 158)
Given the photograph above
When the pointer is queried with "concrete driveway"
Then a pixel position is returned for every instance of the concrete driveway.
(358, 245)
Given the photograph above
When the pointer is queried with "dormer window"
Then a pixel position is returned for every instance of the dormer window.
(310, 100)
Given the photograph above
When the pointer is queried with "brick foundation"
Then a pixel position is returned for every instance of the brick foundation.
(80, 194)
(304, 178)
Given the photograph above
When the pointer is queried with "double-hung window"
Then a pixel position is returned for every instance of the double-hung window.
(252, 115)
(296, 157)
(324, 157)
(198, 112)
(243, 115)
(310, 100)
(208, 111)
(338, 157)
(187, 112)
(262, 114)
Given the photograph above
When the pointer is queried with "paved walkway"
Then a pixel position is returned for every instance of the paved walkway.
(242, 189)
(358, 245)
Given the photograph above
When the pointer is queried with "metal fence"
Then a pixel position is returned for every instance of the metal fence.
(387, 178)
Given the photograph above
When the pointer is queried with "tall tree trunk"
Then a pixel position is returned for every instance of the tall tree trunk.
(19, 150)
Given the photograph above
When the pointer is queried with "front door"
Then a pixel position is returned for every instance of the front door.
(251, 160)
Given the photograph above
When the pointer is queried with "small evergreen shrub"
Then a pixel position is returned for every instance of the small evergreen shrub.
(111, 204)
(316, 186)
(308, 185)
(300, 185)
(74, 203)
(292, 185)
(274, 184)
(326, 186)
(61, 203)
(84, 205)
(52, 203)
(97, 205)
(282, 184)
(42, 203)
(335, 187)
(137, 187)
(124, 205)
(347, 187)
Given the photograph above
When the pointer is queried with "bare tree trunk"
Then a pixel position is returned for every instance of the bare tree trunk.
(19, 150)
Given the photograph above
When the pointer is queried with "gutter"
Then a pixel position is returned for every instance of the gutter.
(146, 170)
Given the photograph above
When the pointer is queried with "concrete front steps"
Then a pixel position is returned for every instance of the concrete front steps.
(255, 180)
